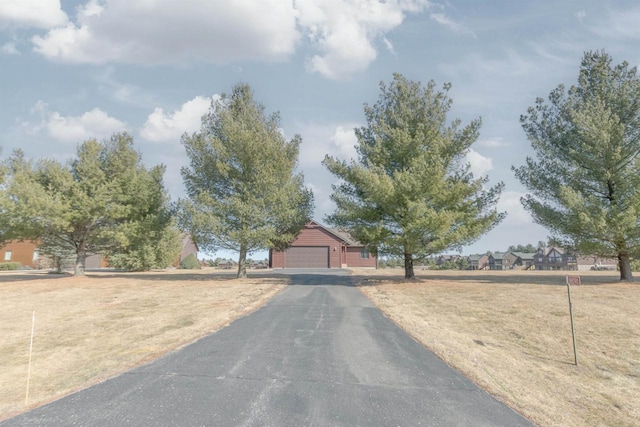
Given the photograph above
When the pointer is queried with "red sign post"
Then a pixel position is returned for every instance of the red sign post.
(573, 281)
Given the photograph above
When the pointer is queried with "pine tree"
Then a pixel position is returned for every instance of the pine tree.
(585, 181)
(244, 194)
(411, 194)
(89, 206)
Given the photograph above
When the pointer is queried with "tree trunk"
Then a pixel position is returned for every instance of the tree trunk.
(624, 264)
(81, 257)
(57, 263)
(242, 263)
(408, 266)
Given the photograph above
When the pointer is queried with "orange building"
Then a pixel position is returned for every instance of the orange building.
(25, 252)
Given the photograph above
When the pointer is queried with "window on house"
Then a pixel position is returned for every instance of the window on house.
(555, 257)
(364, 253)
(7, 256)
(36, 255)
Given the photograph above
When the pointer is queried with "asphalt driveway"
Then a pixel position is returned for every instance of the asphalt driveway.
(318, 354)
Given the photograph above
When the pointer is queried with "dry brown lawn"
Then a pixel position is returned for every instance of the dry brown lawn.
(510, 333)
(91, 328)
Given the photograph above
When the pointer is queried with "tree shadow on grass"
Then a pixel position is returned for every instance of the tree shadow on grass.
(549, 359)
(21, 276)
(492, 278)
(330, 277)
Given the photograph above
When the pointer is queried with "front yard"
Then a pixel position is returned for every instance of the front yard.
(510, 332)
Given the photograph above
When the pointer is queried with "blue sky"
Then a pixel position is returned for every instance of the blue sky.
(75, 70)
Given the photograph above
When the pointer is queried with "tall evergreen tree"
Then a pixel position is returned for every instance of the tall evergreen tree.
(244, 194)
(585, 181)
(87, 207)
(411, 194)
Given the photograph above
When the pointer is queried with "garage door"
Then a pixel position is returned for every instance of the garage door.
(307, 257)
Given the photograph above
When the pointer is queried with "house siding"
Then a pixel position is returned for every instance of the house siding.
(478, 263)
(188, 247)
(354, 258)
(21, 252)
(341, 253)
(313, 235)
(554, 259)
(96, 261)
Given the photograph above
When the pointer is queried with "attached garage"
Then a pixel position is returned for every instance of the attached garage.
(319, 247)
(306, 257)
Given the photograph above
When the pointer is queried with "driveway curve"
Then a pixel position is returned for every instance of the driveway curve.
(318, 354)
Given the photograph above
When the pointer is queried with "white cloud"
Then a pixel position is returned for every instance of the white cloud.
(343, 32)
(163, 126)
(322, 199)
(9, 48)
(479, 164)
(457, 27)
(389, 45)
(319, 140)
(493, 142)
(42, 14)
(91, 124)
(344, 141)
(516, 214)
(174, 32)
(109, 86)
(581, 14)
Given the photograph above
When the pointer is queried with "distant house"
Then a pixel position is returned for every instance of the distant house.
(525, 260)
(447, 258)
(318, 246)
(260, 264)
(478, 262)
(228, 264)
(500, 261)
(187, 246)
(25, 252)
(554, 258)
(592, 262)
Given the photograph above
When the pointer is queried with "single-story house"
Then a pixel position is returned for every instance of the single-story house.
(25, 252)
(320, 247)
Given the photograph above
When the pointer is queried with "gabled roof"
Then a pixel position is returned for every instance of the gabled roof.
(345, 236)
(524, 255)
(499, 255)
(546, 251)
(477, 257)
(341, 235)
(186, 238)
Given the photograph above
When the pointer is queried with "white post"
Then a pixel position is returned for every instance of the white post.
(33, 323)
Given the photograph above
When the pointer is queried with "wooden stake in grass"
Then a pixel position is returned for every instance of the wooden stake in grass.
(575, 281)
(33, 323)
